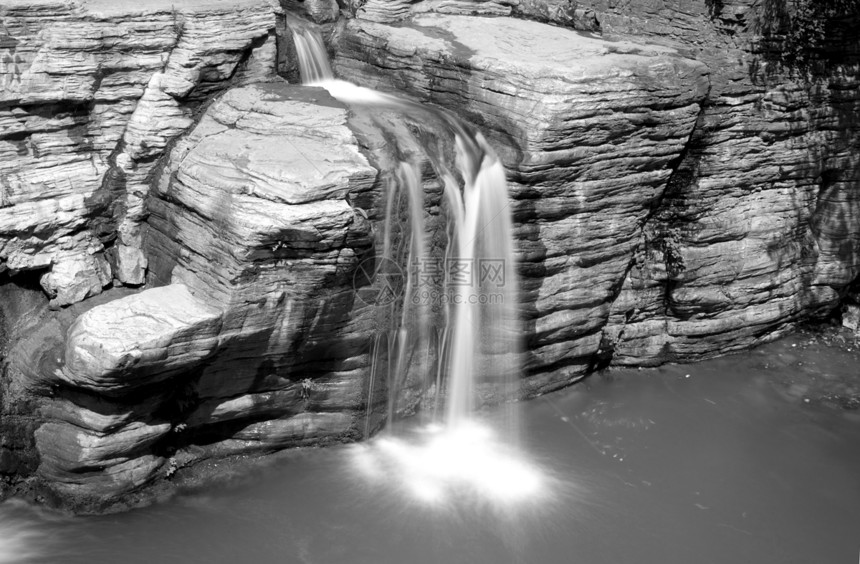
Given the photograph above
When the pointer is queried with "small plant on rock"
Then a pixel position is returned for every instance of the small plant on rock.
(172, 467)
(307, 387)
(807, 35)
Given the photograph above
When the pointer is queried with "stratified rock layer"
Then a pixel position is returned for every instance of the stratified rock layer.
(589, 131)
(92, 91)
(644, 239)
(753, 230)
(141, 340)
(251, 213)
(252, 234)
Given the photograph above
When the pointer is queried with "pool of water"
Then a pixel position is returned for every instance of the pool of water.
(718, 462)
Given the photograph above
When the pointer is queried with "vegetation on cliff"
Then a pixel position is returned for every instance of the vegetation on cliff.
(808, 35)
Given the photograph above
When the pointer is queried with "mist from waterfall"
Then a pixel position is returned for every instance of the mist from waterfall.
(476, 344)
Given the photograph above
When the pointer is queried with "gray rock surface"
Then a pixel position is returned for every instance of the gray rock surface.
(251, 213)
(252, 235)
(737, 223)
(588, 130)
(138, 341)
(92, 91)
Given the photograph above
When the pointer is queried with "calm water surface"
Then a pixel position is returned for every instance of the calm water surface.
(718, 462)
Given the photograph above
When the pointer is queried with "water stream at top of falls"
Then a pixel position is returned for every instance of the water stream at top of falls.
(314, 64)
(467, 344)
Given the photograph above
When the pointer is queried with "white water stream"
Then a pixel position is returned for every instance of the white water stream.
(481, 333)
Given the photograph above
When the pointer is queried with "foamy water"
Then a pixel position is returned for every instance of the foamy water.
(350, 93)
(439, 465)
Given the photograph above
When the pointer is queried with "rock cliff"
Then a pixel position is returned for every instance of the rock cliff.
(588, 130)
(182, 233)
(92, 93)
(737, 226)
(251, 245)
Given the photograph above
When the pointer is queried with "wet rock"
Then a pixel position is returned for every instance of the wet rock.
(97, 488)
(248, 406)
(301, 428)
(340, 392)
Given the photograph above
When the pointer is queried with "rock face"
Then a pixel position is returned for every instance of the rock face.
(736, 224)
(91, 93)
(251, 214)
(250, 244)
(589, 131)
(675, 194)
(138, 341)
(755, 231)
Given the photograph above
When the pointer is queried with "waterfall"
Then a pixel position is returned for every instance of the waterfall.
(485, 321)
(479, 341)
(313, 60)
(474, 333)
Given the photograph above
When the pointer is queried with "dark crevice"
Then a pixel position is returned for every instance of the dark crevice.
(668, 210)
(666, 240)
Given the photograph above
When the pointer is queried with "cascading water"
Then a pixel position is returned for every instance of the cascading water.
(313, 61)
(478, 344)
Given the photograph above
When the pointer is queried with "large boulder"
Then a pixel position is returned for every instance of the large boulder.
(98, 434)
(252, 214)
(138, 341)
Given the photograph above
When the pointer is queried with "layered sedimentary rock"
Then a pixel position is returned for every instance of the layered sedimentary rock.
(251, 242)
(588, 130)
(737, 226)
(91, 93)
(756, 229)
(319, 11)
(252, 214)
(138, 341)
